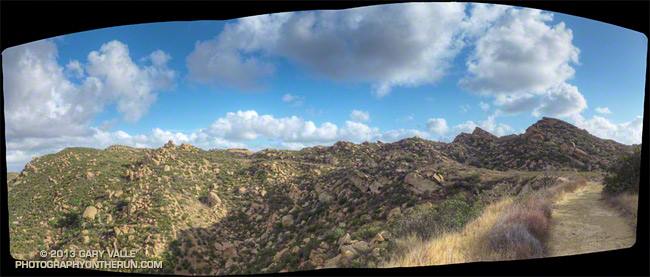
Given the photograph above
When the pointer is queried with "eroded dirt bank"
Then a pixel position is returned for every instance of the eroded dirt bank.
(583, 223)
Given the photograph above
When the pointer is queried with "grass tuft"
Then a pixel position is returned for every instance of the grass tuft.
(513, 240)
(627, 203)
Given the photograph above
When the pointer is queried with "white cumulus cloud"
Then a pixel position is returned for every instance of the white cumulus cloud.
(521, 53)
(627, 132)
(516, 103)
(40, 101)
(437, 126)
(561, 101)
(293, 145)
(604, 110)
(484, 106)
(490, 125)
(74, 67)
(399, 134)
(360, 116)
(132, 86)
(387, 46)
(248, 125)
(294, 99)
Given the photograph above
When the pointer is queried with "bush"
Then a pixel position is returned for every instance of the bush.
(428, 221)
(624, 174)
(523, 231)
(475, 178)
(574, 185)
(334, 235)
(456, 213)
(548, 179)
(366, 232)
(514, 241)
(536, 221)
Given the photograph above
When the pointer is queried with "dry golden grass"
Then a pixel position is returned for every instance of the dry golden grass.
(466, 246)
(472, 244)
(627, 203)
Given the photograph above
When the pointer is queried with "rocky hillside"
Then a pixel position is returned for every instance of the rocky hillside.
(239, 212)
(549, 142)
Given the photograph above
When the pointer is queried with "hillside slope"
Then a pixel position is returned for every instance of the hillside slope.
(235, 211)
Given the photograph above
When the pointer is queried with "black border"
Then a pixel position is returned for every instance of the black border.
(26, 21)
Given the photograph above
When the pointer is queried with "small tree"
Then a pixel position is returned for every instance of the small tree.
(548, 178)
(624, 174)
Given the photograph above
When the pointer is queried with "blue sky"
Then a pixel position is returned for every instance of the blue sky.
(301, 79)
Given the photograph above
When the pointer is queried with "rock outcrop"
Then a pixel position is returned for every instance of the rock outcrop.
(89, 213)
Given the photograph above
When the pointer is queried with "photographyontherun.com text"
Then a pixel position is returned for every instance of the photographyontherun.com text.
(90, 264)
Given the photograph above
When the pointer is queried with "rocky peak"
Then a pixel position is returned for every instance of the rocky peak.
(343, 145)
(170, 144)
(187, 147)
(552, 129)
(482, 133)
(547, 124)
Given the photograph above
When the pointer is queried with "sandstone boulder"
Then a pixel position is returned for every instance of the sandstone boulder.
(394, 212)
(361, 246)
(419, 184)
(536, 138)
(348, 255)
(438, 178)
(358, 179)
(129, 175)
(229, 250)
(170, 144)
(89, 213)
(349, 248)
(280, 254)
(213, 199)
(333, 262)
(375, 186)
(376, 240)
(345, 239)
(31, 168)
(564, 148)
(580, 153)
(324, 197)
(287, 221)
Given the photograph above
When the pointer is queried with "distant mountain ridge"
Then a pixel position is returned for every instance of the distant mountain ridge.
(548, 142)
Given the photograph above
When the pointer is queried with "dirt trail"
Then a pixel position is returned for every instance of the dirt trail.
(583, 223)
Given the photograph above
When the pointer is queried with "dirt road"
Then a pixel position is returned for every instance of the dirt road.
(583, 223)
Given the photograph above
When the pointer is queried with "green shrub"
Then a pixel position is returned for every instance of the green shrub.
(334, 235)
(475, 178)
(366, 232)
(624, 174)
(455, 213)
(429, 221)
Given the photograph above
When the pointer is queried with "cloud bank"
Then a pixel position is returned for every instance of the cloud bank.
(41, 101)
